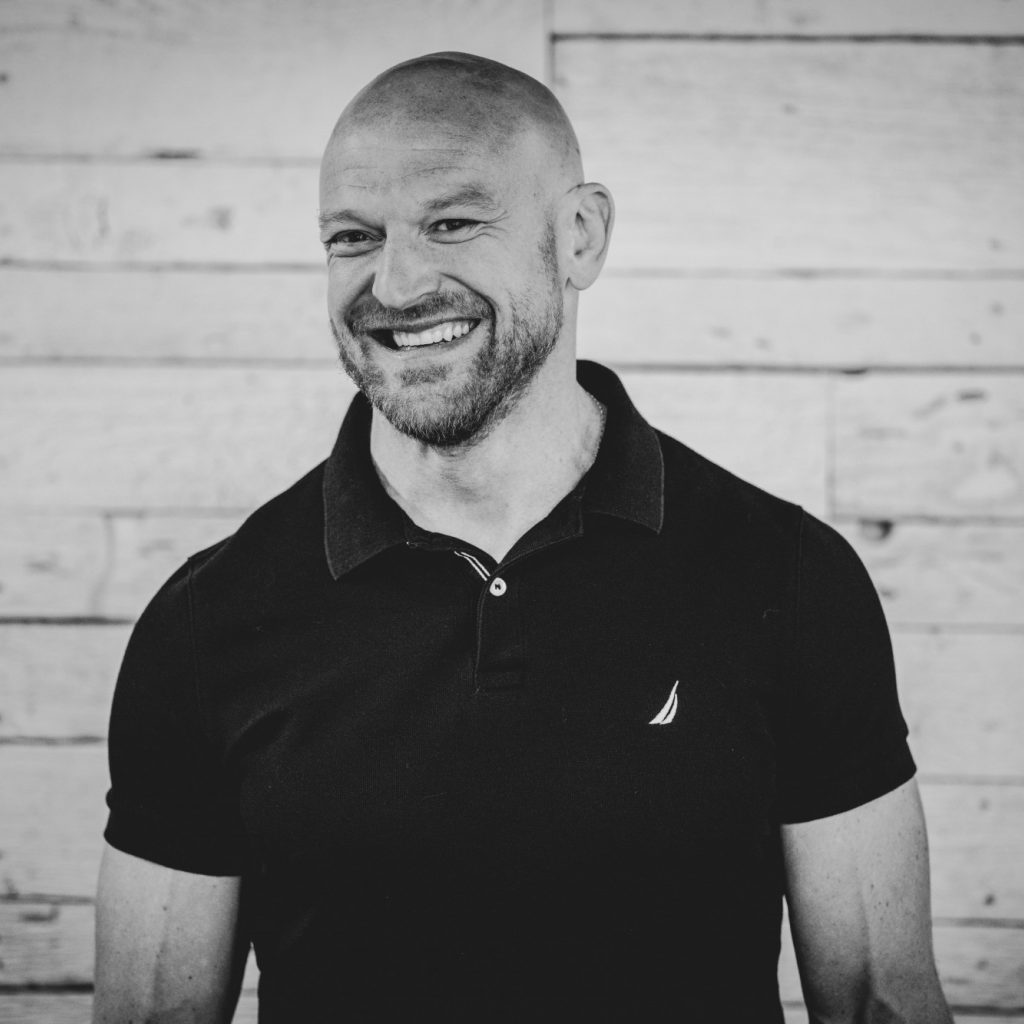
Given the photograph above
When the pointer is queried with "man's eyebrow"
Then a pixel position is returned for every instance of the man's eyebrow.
(464, 195)
(335, 215)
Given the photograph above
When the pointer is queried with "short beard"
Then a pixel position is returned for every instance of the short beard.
(501, 372)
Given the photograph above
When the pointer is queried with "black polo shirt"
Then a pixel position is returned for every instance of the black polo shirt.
(549, 789)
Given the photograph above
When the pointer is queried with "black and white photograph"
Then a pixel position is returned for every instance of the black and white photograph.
(511, 511)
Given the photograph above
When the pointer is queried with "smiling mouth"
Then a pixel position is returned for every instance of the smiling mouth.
(436, 334)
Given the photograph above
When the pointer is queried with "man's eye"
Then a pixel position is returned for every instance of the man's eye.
(348, 241)
(452, 224)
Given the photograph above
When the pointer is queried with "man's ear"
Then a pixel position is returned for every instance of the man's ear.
(590, 233)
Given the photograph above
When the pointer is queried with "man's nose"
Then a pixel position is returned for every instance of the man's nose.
(403, 275)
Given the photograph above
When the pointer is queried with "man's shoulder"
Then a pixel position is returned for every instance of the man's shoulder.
(715, 511)
(701, 492)
(281, 539)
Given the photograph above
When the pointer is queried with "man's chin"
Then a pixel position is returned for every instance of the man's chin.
(445, 424)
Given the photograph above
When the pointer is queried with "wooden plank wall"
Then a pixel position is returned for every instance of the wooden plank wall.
(817, 278)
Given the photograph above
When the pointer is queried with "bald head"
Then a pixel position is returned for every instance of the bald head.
(458, 231)
(473, 99)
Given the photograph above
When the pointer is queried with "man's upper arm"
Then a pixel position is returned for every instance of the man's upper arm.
(168, 944)
(859, 905)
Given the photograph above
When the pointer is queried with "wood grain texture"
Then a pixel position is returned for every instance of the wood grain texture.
(170, 437)
(50, 564)
(976, 840)
(963, 699)
(46, 944)
(844, 323)
(147, 549)
(228, 438)
(767, 429)
(936, 574)
(836, 155)
(54, 819)
(796, 1013)
(281, 317)
(797, 17)
(44, 1008)
(930, 445)
(165, 316)
(56, 681)
(241, 78)
(94, 565)
(159, 212)
(978, 967)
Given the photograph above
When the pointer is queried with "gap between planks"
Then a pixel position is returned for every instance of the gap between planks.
(861, 38)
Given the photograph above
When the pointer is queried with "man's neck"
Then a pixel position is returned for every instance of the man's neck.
(491, 492)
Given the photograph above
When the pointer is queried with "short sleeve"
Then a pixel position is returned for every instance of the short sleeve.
(843, 735)
(169, 801)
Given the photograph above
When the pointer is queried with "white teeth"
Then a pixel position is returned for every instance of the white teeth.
(431, 336)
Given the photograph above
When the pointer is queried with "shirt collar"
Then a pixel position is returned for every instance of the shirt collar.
(625, 481)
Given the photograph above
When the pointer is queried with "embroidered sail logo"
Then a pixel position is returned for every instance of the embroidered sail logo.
(668, 712)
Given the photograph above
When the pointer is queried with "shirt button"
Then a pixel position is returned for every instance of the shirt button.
(498, 586)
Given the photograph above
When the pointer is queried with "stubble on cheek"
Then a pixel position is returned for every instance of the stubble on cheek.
(426, 401)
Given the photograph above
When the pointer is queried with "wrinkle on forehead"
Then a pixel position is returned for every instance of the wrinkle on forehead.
(478, 103)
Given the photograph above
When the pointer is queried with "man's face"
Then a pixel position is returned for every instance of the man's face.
(443, 287)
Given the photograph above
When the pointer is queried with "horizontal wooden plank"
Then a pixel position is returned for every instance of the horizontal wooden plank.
(56, 681)
(238, 78)
(768, 429)
(147, 549)
(963, 700)
(933, 574)
(280, 317)
(52, 944)
(795, 1013)
(56, 566)
(55, 815)
(214, 438)
(27, 1007)
(247, 1011)
(74, 1008)
(46, 944)
(839, 155)
(158, 212)
(813, 322)
(51, 564)
(46, 1007)
(169, 316)
(979, 966)
(166, 437)
(847, 177)
(930, 445)
(976, 841)
(793, 17)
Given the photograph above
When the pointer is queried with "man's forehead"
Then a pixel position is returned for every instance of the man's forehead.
(424, 161)
(395, 139)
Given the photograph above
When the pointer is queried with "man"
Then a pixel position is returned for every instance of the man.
(514, 709)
